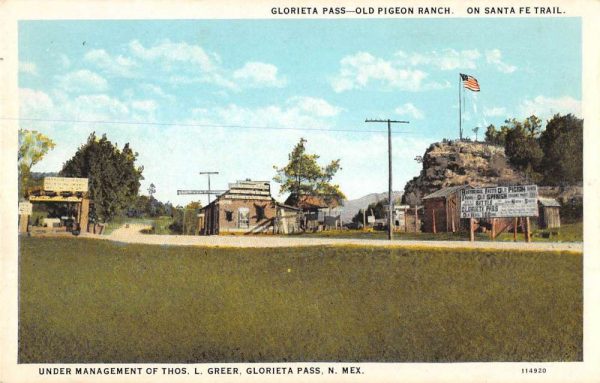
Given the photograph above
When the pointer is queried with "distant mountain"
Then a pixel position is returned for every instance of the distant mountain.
(351, 207)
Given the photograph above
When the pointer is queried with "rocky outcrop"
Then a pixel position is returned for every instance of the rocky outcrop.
(452, 163)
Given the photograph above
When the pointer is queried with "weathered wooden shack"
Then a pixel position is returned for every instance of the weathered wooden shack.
(247, 207)
(318, 212)
(288, 219)
(549, 213)
(442, 211)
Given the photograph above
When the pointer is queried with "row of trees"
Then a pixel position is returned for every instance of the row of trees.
(114, 177)
(552, 156)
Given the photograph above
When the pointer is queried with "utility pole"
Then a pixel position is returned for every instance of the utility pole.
(390, 204)
(208, 192)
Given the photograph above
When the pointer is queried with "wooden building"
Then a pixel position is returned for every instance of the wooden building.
(69, 191)
(247, 207)
(442, 211)
(318, 212)
(549, 213)
(288, 219)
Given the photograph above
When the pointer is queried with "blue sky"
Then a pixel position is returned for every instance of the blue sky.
(196, 77)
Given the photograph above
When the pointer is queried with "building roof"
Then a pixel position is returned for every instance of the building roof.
(445, 192)
(307, 202)
(548, 202)
(282, 205)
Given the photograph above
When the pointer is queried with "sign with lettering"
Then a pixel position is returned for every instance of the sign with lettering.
(65, 184)
(499, 202)
(25, 208)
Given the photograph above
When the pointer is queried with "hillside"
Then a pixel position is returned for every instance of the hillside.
(452, 163)
(351, 207)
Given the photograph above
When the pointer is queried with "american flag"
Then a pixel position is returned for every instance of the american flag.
(470, 82)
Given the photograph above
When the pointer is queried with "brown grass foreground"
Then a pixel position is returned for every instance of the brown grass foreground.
(97, 301)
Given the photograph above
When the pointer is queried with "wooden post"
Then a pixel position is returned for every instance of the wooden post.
(452, 218)
(364, 219)
(85, 213)
(471, 229)
(23, 223)
(528, 225)
(416, 218)
(515, 224)
(405, 220)
(493, 229)
(433, 216)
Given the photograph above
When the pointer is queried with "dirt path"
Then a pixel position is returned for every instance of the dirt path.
(132, 234)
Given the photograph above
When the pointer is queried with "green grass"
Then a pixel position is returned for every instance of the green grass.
(572, 232)
(160, 225)
(85, 300)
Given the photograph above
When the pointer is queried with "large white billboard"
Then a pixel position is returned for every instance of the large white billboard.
(499, 202)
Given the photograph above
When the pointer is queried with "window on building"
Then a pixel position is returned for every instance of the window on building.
(228, 215)
(260, 212)
(243, 217)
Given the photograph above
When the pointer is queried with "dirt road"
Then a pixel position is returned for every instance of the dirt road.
(132, 234)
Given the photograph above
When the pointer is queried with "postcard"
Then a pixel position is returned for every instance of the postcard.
(279, 191)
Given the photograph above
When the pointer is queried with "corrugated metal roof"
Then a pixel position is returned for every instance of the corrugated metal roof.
(445, 192)
(548, 202)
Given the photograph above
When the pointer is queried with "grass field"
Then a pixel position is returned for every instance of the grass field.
(85, 300)
(572, 232)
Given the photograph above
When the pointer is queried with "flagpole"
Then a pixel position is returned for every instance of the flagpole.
(459, 110)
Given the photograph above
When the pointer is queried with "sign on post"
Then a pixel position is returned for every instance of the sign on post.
(25, 208)
(499, 202)
(66, 184)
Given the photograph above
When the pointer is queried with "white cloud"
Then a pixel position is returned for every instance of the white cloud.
(28, 67)
(290, 116)
(545, 107)
(148, 106)
(117, 65)
(446, 59)
(64, 61)
(494, 57)
(228, 149)
(82, 81)
(409, 109)
(34, 103)
(362, 69)
(259, 74)
(494, 111)
(170, 53)
(181, 63)
(315, 106)
(156, 90)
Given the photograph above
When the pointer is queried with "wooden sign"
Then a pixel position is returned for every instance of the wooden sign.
(499, 202)
(25, 208)
(66, 184)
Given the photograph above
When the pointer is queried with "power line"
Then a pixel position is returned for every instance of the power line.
(73, 121)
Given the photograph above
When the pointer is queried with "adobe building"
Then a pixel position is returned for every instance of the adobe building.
(442, 211)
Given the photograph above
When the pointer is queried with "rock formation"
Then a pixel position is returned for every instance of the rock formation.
(452, 163)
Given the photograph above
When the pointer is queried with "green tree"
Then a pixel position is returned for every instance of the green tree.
(562, 144)
(523, 150)
(496, 137)
(114, 178)
(303, 175)
(33, 146)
